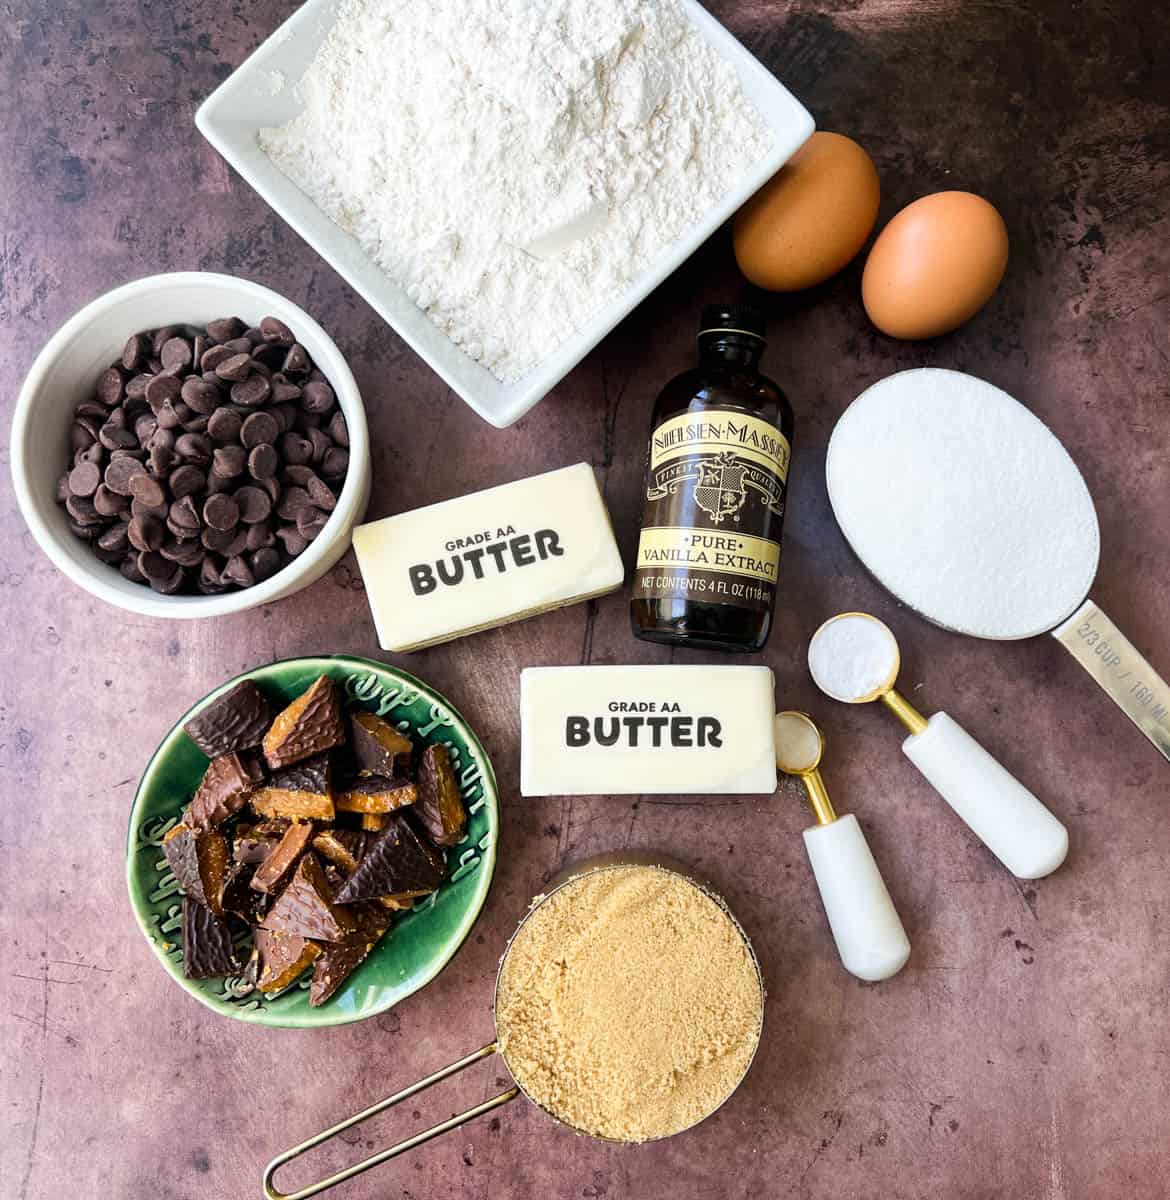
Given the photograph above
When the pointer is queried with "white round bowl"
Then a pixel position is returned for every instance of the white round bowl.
(63, 376)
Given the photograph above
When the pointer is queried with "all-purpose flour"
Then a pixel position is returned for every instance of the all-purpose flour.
(514, 164)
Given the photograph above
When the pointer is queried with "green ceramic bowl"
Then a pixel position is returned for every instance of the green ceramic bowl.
(420, 943)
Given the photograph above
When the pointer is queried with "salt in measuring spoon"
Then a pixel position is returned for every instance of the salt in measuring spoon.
(854, 658)
(866, 927)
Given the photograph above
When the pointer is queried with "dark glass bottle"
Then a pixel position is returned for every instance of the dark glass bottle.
(716, 474)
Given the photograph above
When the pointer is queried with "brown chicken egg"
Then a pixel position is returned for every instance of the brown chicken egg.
(935, 265)
(811, 218)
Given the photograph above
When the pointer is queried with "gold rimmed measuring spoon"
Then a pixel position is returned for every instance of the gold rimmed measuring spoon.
(854, 658)
(866, 926)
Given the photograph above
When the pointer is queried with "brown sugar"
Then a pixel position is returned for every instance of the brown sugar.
(629, 1005)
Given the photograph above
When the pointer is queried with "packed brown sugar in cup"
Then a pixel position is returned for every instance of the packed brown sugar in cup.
(629, 1005)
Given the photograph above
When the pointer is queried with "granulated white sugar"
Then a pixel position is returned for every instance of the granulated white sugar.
(963, 504)
(515, 164)
(852, 656)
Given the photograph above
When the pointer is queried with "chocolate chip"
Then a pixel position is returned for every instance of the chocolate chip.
(119, 474)
(273, 329)
(252, 391)
(136, 387)
(265, 563)
(224, 424)
(114, 539)
(187, 552)
(146, 533)
(135, 351)
(195, 448)
(84, 479)
(130, 571)
(254, 504)
(116, 437)
(263, 461)
(237, 366)
(310, 522)
(110, 386)
(186, 481)
(294, 543)
(338, 429)
(260, 535)
(203, 397)
(225, 328)
(214, 357)
(176, 355)
(292, 501)
(209, 576)
(321, 495)
(225, 541)
(148, 490)
(283, 392)
(184, 515)
(109, 503)
(259, 427)
(317, 397)
(138, 509)
(221, 512)
(161, 336)
(294, 448)
(238, 571)
(321, 444)
(162, 390)
(161, 458)
(335, 463)
(229, 461)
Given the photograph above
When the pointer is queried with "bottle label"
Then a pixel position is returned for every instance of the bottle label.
(715, 483)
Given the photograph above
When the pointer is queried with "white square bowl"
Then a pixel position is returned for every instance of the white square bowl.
(233, 115)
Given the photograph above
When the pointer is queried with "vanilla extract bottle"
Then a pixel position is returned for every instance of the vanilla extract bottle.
(716, 475)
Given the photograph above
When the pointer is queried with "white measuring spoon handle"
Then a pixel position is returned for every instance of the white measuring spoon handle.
(1120, 670)
(1000, 811)
(866, 927)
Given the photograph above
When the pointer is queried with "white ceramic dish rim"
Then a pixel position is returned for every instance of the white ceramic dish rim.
(288, 50)
(94, 578)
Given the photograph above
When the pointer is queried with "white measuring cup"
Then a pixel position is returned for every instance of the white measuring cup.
(866, 927)
(969, 510)
(1003, 814)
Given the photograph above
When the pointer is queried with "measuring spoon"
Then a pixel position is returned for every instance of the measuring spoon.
(997, 808)
(866, 927)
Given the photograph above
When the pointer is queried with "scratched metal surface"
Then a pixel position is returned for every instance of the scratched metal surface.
(1024, 1051)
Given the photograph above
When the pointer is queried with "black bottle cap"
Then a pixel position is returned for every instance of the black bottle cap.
(732, 318)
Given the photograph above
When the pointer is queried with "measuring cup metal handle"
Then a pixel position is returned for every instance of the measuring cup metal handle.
(1120, 670)
(313, 1189)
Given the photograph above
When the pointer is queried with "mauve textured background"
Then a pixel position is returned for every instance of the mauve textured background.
(1024, 1052)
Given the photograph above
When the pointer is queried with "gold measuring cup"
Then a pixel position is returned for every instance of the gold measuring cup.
(866, 927)
(601, 862)
(1006, 817)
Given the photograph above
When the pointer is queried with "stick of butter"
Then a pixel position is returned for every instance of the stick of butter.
(588, 731)
(488, 558)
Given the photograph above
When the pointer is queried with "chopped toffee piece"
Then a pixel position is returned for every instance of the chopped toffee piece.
(401, 900)
(302, 792)
(254, 843)
(283, 956)
(237, 720)
(272, 873)
(376, 794)
(224, 789)
(240, 899)
(397, 860)
(306, 906)
(378, 748)
(344, 847)
(199, 860)
(310, 725)
(339, 960)
(440, 808)
(374, 822)
(207, 943)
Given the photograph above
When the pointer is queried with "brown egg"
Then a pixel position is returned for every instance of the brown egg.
(811, 218)
(935, 265)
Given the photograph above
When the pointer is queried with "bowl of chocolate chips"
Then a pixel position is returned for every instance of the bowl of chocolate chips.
(190, 445)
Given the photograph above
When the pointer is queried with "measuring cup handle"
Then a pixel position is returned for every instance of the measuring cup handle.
(382, 1156)
(999, 810)
(866, 927)
(1120, 670)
